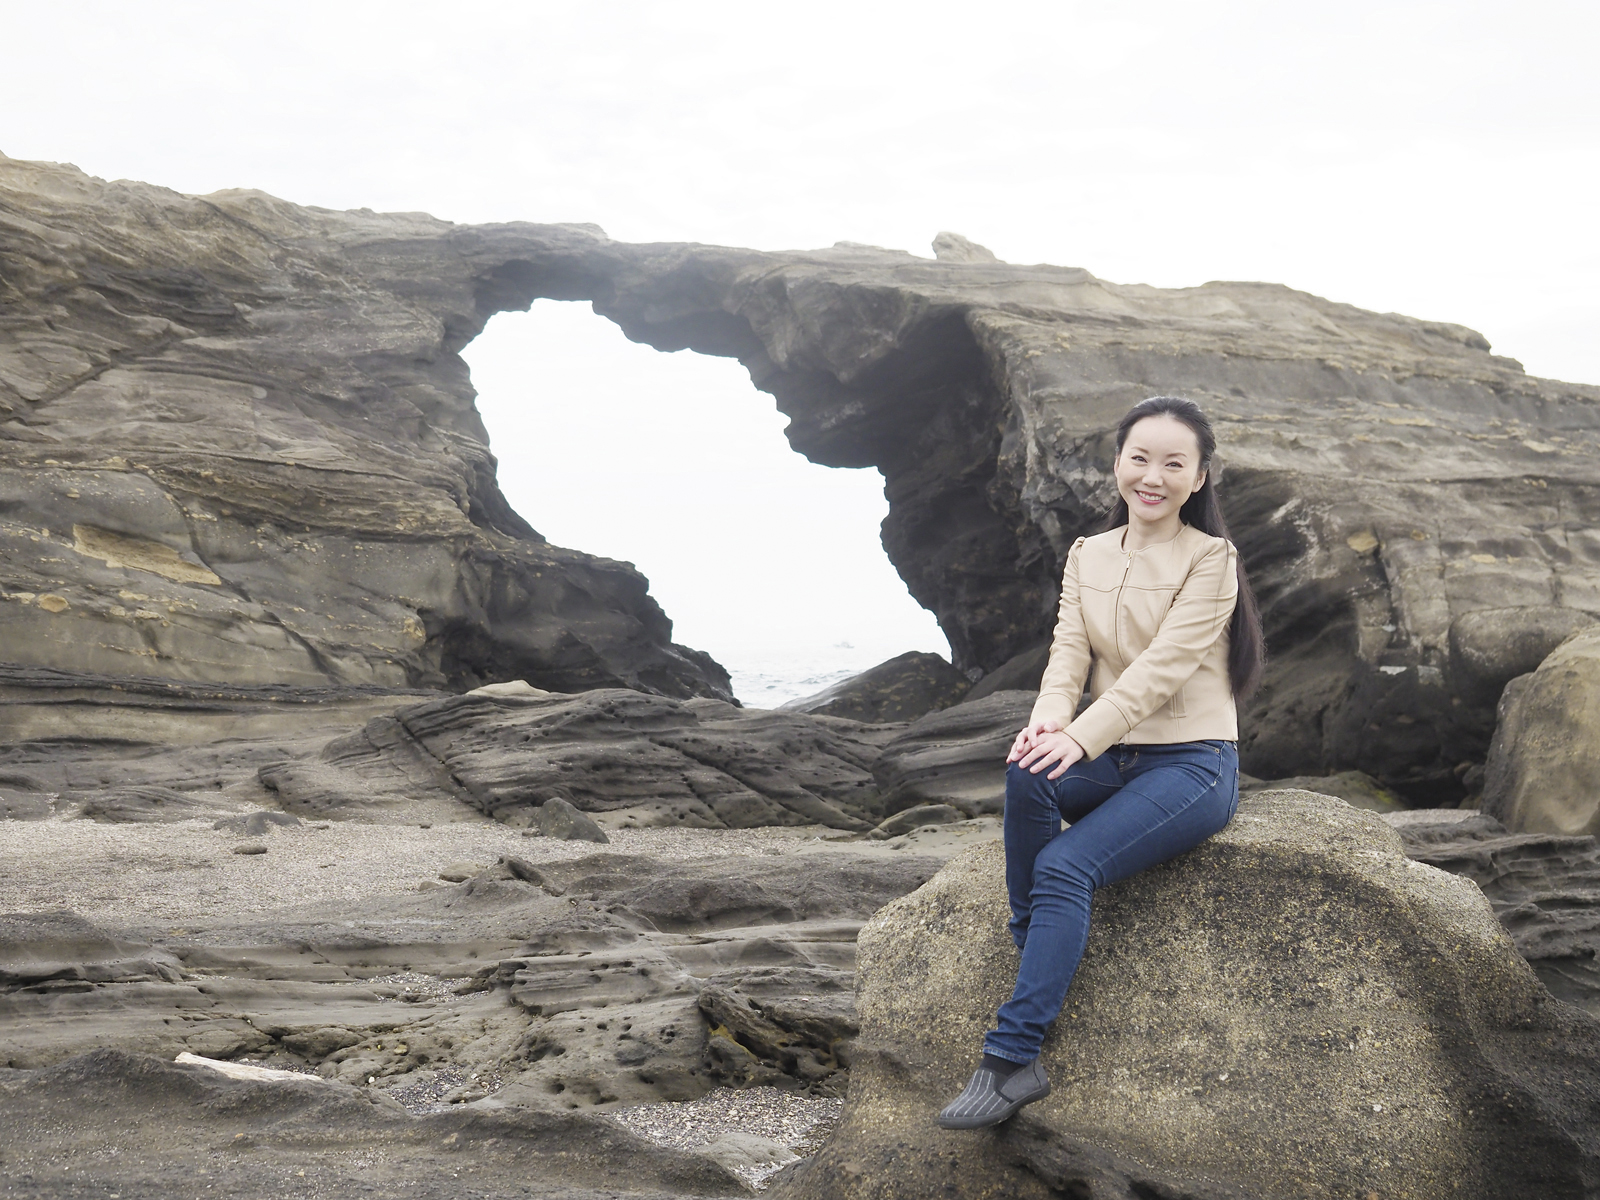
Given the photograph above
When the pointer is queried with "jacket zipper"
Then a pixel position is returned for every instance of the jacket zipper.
(1126, 570)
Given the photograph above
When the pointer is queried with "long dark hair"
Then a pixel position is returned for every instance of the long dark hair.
(1247, 649)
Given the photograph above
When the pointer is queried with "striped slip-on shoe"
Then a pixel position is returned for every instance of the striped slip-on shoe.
(988, 1101)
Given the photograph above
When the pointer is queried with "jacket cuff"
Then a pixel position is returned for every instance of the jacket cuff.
(1101, 726)
(1053, 706)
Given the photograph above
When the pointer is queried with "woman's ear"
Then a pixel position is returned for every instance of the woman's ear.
(1200, 482)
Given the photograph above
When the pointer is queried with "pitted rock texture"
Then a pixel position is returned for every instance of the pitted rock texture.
(1418, 515)
(1298, 945)
(238, 445)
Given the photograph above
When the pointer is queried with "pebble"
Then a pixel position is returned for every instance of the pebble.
(250, 848)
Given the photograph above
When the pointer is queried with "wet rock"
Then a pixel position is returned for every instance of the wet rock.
(955, 757)
(1299, 944)
(902, 689)
(1543, 772)
(557, 818)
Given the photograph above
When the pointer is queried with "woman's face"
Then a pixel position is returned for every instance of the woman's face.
(1158, 469)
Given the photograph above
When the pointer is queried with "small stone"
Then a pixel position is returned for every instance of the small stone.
(250, 848)
(459, 872)
(559, 818)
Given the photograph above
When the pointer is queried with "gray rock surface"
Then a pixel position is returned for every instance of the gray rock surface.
(172, 1129)
(641, 759)
(901, 689)
(1543, 773)
(1545, 888)
(955, 757)
(557, 818)
(1213, 1047)
(1388, 479)
(329, 515)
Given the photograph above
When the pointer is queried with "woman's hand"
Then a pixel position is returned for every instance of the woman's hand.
(1029, 737)
(1043, 743)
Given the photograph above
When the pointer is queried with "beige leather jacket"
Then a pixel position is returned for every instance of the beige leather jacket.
(1153, 626)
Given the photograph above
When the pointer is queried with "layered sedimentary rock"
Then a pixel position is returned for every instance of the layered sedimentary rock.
(241, 445)
(238, 445)
(1293, 1010)
(1544, 887)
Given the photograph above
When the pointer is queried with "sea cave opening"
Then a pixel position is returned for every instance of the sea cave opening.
(676, 463)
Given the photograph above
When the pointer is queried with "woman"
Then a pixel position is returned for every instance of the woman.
(1157, 617)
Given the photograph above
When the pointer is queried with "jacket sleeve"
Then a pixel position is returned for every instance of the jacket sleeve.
(1068, 669)
(1199, 614)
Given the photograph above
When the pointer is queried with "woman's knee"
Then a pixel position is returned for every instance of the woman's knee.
(1061, 866)
(1025, 789)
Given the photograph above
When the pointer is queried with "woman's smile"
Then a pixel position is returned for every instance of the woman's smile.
(1148, 497)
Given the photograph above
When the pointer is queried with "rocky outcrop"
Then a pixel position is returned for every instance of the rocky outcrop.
(179, 1129)
(902, 689)
(1543, 773)
(1292, 1011)
(645, 760)
(238, 445)
(1544, 887)
(1415, 512)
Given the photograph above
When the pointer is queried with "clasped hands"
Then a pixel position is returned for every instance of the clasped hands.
(1042, 743)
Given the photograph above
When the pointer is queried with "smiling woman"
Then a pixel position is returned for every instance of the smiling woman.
(674, 462)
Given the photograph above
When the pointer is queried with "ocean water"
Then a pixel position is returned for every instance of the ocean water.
(771, 677)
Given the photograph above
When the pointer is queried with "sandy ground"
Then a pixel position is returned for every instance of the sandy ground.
(188, 871)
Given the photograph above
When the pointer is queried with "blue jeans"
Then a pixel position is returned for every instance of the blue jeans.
(1129, 809)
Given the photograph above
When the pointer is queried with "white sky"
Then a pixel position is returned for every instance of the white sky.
(1438, 159)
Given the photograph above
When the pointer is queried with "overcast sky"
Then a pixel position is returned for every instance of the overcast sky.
(1437, 159)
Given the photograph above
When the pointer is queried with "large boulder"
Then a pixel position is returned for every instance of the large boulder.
(1292, 1011)
(902, 689)
(1543, 773)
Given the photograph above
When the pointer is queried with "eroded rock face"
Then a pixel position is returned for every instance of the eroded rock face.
(1543, 773)
(655, 760)
(328, 512)
(238, 445)
(1298, 945)
(1544, 887)
(902, 689)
